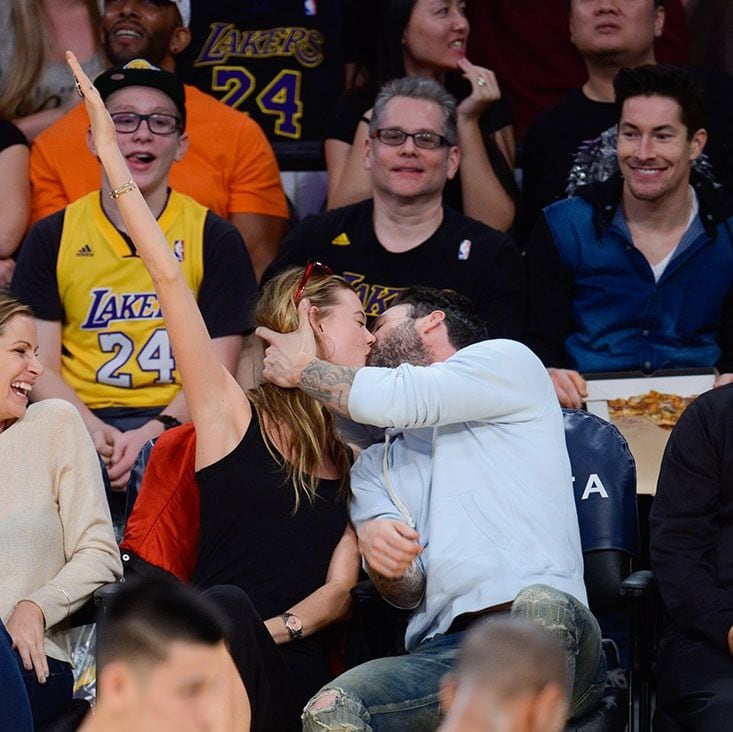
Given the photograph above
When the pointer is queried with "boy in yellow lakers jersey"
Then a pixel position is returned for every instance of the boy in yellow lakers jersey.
(101, 333)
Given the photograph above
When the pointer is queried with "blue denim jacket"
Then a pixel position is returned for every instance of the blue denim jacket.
(621, 319)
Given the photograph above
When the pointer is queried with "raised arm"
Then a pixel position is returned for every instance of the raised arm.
(218, 407)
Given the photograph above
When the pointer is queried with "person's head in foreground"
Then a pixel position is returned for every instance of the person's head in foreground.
(337, 318)
(161, 661)
(426, 326)
(660, 129)
(510, 676)
(19, 364)
(412, 148)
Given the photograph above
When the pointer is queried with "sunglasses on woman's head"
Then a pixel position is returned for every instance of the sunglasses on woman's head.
(310, 268)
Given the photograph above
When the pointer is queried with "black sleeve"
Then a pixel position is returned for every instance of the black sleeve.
(539, 182)
(549, 298)
(10, 135)
(345, 117)
(502, 305)
(34, 278)
(685, 521)
(228, 290)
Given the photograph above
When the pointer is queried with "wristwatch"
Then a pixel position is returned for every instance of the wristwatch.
(167, 421)
(293, 624)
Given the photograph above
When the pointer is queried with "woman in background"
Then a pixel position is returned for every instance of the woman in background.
(36, 87)
(428, 38)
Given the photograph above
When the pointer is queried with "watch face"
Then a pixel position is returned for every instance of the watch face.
(294, 624)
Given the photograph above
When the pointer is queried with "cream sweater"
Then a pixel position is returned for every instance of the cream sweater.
(56, 540)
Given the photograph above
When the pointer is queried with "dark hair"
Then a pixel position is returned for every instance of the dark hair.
(393, 15)
(147, 615)
(514, 656)
(417, 87)
(662, 80)
(463, 325)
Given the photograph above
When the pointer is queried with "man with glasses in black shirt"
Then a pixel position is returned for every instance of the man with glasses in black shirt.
(404, 235)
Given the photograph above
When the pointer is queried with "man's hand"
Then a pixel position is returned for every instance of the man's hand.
(389, 546)
(289, 353)
(570, 387)
(722, 380)
(25, 626)
(104, 437)
(126, 448)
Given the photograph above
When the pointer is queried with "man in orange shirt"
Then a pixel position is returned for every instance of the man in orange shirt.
(230, 167)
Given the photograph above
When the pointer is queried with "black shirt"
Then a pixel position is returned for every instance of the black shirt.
(463, 255)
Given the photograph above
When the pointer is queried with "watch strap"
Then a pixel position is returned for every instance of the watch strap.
(167, 421)
(294, 633)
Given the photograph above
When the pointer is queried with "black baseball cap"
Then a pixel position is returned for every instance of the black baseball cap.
(140, 72)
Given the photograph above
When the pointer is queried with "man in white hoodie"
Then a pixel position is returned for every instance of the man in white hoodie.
(466, 510)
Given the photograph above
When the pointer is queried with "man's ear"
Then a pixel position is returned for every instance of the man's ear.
(549, 709)
(448, 690)
(118, 687)
(179, 40)
(368, 153)
(697, 144)
(454, 160)
(659, 18)
(430, 322)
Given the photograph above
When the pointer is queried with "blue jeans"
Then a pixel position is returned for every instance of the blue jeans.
(402, 692)
(15, 709)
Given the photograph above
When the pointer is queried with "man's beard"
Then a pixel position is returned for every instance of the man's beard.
(401, 345)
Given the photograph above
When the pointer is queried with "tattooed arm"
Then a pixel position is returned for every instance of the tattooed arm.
(330, 384)
(391, 551)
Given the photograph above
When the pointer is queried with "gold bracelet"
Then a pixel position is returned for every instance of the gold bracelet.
(124, 188)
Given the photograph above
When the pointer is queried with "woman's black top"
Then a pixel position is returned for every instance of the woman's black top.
(250, 535)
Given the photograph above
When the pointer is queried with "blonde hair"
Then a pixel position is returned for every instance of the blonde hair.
(305, 422)
(20, 82)
(10, 306)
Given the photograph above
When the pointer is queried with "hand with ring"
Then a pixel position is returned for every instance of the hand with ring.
(484, 90)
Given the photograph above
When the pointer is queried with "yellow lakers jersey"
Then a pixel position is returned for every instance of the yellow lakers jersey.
(115, 348)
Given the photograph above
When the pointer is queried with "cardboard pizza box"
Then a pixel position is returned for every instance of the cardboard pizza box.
(646, 440)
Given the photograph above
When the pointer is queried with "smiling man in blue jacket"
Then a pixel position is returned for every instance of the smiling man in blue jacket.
(636, 273)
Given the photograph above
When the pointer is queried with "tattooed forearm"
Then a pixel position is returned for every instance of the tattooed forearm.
(329, 384)
(405, 592)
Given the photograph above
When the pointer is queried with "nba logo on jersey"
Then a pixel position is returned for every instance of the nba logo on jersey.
(464, 249)
(310, 7)
(178, 249)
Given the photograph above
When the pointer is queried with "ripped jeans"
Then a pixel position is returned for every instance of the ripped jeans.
(403, 692)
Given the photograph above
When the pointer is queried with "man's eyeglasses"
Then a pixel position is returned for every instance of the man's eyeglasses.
(426, 140)
(310, 268)
(158, 124)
